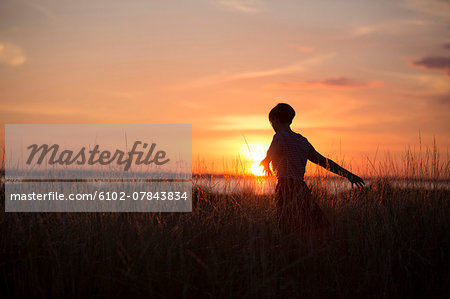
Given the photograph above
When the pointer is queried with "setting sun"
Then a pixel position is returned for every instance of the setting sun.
(255, 153)
(257, 169)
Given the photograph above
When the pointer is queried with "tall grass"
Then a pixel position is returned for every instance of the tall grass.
(385, 242)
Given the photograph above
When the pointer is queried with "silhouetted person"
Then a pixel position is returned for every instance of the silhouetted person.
(289, 151)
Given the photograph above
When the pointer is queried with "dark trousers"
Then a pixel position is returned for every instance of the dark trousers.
(296, 210)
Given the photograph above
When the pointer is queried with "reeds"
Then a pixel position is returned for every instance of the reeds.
(386, 241)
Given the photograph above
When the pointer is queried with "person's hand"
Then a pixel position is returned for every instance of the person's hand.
(354, 179)
(266, 164)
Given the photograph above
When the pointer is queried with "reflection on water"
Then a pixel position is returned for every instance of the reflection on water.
(234, 185)
(266, 186)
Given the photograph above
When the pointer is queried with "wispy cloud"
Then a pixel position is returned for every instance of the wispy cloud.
(443, 99)
(239, 122)
(431, 98)
(295, 67)
(433, 63)
(334, 83)
(116, 94)
(430, 82)
(40, 109)
(44, 10)
(11, 54)
(247, 6)
(302, 48)
(436, 8)
(292, 68)
(391, 27)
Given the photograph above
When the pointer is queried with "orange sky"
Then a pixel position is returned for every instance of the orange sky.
(361, 75)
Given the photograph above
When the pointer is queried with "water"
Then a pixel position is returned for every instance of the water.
(266, 186)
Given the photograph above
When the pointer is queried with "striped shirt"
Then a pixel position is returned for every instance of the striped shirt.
(289, 153)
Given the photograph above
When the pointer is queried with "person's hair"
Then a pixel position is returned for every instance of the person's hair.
(283, 112)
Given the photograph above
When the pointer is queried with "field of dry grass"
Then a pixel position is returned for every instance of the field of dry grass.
(385, 242)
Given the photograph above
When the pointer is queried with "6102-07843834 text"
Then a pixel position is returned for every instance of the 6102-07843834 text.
(102, 195)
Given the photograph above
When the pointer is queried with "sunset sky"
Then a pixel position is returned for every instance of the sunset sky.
(361, 75)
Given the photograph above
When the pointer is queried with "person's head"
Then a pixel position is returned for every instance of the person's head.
(281, 116)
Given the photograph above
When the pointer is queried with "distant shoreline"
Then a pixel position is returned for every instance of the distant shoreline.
(245, 176)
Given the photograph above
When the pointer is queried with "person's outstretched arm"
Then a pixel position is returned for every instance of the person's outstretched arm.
(330, 165)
